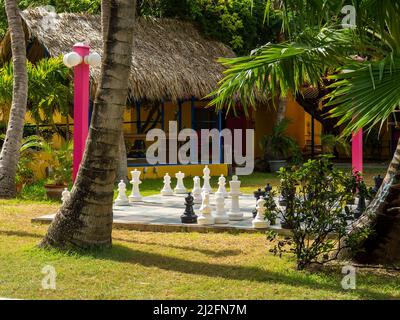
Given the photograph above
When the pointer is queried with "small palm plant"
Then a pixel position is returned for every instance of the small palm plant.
(330, 142)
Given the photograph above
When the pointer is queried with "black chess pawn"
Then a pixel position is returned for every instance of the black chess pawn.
(378, 180)
(189, 216)
(268, 188)
(257, 195)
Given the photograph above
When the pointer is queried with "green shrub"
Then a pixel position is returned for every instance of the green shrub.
(317, 211)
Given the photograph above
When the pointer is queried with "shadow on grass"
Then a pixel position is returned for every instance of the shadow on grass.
(219, 253)
(20, 234)
(230, 272)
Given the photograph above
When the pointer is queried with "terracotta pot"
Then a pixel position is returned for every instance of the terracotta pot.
(54, 191)
(18, 187)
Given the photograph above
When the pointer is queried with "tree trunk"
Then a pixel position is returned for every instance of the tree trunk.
(85, 220)
(122, 165)
(9, 155)
(281, 111)
(383, 217)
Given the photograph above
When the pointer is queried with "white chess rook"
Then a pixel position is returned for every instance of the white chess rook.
(221, 187)
(135, 195)
(234, 213)
(205, 217)
(220, 214)
(259, 222)
(180, 187)
(167, 190)
(196, 192)
(65, 195)
(206, 178)
(122, 199)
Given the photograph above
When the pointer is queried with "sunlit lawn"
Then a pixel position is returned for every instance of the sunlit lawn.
(148, 265)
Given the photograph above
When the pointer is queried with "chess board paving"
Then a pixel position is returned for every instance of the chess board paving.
(162, 213)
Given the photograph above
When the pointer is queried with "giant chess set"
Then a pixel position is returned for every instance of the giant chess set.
(199, 205)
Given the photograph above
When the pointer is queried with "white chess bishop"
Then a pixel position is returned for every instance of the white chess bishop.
(167, 190)
(220, 214)
(180, 187)
(65, 195)
(135, 195)
(206, 178)
(122, 199)
(205, 217)
(221, 187)
(196, 192)
(259, 222)
(234, 213)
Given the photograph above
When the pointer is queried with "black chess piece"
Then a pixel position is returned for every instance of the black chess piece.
(378, 180)
(189, 216)
(257, 195)
(268, 188)
(361, 206)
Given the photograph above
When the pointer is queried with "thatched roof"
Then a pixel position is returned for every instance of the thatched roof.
(170, 58)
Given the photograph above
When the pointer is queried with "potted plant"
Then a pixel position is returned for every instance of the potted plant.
(278, 146)
(59, 169)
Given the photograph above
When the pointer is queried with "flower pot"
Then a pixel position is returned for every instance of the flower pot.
(275, 165)
(54, 191)
(19, 186)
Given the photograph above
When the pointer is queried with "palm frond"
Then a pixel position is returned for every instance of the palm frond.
(367, 95)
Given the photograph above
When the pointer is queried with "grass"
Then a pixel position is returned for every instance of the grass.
(148, 265)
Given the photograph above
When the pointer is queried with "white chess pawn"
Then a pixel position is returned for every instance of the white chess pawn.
(206, 178)
(221, 186)
(259, 222)
(122, 199)
(167, 190)
(180, 187)
(220, 214)
(196, 192)
(65, 195)
(135, 195)
(205, 216)
(234, 213)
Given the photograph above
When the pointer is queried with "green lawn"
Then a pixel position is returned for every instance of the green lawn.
(148, 265)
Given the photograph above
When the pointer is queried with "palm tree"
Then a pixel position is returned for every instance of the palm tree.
(10, 151)
(85, 221)
(364, 96)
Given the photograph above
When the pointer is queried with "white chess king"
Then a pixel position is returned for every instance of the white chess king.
(167, 190)
(180, 187)
(259, 222)
(135, 195)
(65, 195)
(234, 213)
(196, 192)
(220, 214)
(205, 217)
(206, 178)
(122, 199)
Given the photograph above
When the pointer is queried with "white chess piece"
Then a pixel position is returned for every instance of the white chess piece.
(206, 178)
(65, 195)
(259, 222)
(196, 192)
(122, 199)
(167, 190)
(221, 186)
(220, 214)
(180, 187)
(135, 195)
(205, 216)
(234, 213)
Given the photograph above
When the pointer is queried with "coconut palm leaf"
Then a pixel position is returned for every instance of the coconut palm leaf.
(285, 66)
(367, 95)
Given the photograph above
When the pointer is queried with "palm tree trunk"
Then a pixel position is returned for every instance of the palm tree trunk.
(382, 216)
(85, 221)
(9, 155)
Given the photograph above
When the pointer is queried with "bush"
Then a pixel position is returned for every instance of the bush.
(316, 197)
